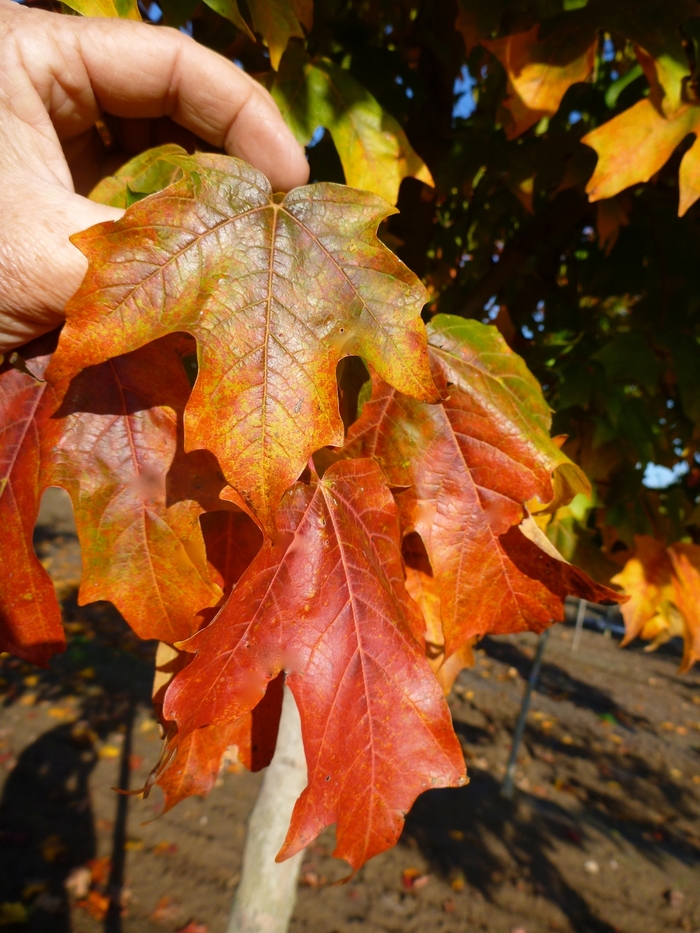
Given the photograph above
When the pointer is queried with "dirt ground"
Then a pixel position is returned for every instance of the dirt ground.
(603, 834)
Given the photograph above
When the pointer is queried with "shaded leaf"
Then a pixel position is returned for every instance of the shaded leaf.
(194, 764)
(540, 71)
(327, 602)
(230, 10)
(142, 549)
(653, 27)
(275, 290)
(232, 540)
(611, 216)
(374, 151)
(424, 589)
(115, 445)
(277, 21)
(30, 617)
(689, 178)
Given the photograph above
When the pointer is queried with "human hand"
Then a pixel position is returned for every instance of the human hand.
(58, 76)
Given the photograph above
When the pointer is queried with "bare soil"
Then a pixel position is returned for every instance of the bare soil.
(603, 833)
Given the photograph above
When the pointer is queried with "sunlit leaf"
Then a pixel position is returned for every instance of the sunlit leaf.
(123, 9)
(540, 71)
(664, 589)
(143, 175)
(327, 602)
(468, 466)
(275, 291)
(374, 151)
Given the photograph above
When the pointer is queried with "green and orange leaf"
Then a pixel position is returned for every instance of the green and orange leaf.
(217, 256)
(464, 470)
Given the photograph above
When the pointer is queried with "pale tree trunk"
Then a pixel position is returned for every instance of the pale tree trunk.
(266, 894)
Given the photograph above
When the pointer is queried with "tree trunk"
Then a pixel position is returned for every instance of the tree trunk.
(266, 894)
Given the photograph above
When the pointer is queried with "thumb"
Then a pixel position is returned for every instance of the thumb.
(40, 269)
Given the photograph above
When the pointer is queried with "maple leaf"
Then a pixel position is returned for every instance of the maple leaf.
(424, 589)
(686, 587)
(326, 601)
(637, 143)
(480, 377)
(277, 21)
(124, 9)
(191, 765)
(646, 579)
(612, 215)
(115, 445)
(146, 173)
(374, 151)
(652, 137)
(30, 617)
(232, 540)
(663, 585)
(135, 495)
(468, 466)
(653, 27)
(540, 71)
(275, 291)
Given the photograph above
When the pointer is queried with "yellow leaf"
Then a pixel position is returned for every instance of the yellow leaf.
(646, 579)
(373, 149)
(664, 589)
(540, 72)
(686, 587)
(122, 9)
(689, 178)
(636, 144)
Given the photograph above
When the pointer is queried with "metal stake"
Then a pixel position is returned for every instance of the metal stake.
(509, 780)
(580, 616)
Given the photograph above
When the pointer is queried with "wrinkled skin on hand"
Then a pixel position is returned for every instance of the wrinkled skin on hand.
(59, 75)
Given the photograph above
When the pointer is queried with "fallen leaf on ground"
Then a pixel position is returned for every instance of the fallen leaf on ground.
(412, 878)
(167, 911)
(164, 848)
(100, 869)
(95, 904)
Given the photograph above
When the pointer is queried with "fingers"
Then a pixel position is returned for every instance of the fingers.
(39, 267)
(57, 74)
(137, 70)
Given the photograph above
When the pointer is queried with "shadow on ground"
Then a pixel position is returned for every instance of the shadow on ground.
(47, 825)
